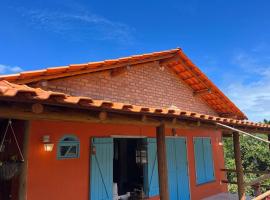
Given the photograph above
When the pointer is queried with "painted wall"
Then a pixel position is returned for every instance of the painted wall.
(49, 178)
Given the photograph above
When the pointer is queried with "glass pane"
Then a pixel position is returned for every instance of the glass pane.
(68, 151)
(64, 150)
(72, 151)
(69, 139)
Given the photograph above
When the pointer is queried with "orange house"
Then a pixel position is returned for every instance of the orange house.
(137, 127)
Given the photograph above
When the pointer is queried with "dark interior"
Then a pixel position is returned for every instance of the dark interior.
(9, 188)
(126, 172)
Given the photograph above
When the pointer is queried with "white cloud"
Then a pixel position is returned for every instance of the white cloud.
(79, 24)
(250, 90)
(6, 69)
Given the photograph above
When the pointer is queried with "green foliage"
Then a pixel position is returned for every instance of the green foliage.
(255, 156)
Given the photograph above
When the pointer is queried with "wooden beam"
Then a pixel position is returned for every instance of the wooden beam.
(118, 71)
(171, 60)
(24, 112)
(229, 182)
(257, 189)
(37, 108)
(162, 163)
(24, 171)
(202, 92)
(103, 115)
(258, 180)
(84, 71)
(247, 171)
(144, 118)
(262, 196)
(239, 167)
(22, 109)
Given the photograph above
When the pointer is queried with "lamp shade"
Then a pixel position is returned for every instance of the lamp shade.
(48, 147)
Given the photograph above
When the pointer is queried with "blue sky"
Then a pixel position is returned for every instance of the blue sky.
(229, 40)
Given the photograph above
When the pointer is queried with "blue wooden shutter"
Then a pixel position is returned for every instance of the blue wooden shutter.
(208, 159)
(182, 168)
(152, 168)
(177, 168)
(101, 169)
(199, 160)
(203, 160)
(171, 167)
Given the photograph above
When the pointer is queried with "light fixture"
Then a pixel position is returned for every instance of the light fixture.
(48, 146)
(174, 133)
(161, 67)
(128, 67)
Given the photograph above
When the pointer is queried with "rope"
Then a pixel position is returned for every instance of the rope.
(15, 138)
(2, 142)
(243, 132)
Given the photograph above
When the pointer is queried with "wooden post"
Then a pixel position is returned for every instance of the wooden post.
(239, 167)
(257, 190)
(23, 176)
(269, 140)
(162, 163)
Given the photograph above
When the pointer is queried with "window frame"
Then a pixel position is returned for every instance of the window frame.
(62, 143)
(206, 179)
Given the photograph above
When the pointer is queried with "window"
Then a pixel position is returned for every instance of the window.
(68, 147)
(203, 160)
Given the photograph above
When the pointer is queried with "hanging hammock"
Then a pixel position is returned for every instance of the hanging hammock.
(10, 168)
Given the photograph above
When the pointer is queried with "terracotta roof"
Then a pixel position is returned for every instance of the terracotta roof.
(174, 59)
(62, 71)
(10, 91)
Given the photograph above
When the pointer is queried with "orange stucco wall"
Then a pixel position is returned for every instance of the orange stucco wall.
(49, 178)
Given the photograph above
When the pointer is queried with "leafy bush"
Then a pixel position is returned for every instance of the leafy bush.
(255, 157)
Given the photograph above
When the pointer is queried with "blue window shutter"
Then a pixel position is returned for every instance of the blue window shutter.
(199, 160)
(152, 187)
(171, 166)
(101, 169)
(208, 158)
(182, 169)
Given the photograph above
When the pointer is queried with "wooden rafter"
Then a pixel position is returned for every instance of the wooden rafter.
(24, 110)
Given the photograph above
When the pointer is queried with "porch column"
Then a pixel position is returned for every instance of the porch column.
(23, 176)
(162, 163)
(239, 167)
(269, 140)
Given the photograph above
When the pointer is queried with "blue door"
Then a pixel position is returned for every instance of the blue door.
(177, 168)
(101, 181)
(151, 183)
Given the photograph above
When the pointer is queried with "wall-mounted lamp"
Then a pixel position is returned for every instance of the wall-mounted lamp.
(174, 133)
(161, 67)
(48, 146)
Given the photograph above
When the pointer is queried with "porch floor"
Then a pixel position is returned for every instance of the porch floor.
(225, 196)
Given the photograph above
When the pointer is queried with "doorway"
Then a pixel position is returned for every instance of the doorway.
(129, 164)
